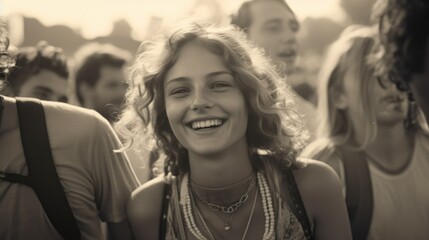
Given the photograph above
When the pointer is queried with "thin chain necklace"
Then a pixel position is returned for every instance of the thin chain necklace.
(248, 221)
(226, 209)
(229, 210)
(267, 205)
(226, 223)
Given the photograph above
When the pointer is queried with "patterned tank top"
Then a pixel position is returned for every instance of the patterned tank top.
(287, 224)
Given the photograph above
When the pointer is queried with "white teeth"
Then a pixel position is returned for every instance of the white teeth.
(206, 123)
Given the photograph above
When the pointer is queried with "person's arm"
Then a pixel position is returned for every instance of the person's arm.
(320, 190)
(113, 178)
(144, 210)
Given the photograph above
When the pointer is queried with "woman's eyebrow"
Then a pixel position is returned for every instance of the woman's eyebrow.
(178, 79)
(214, 74)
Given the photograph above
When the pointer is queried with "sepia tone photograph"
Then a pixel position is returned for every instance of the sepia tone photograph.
(214, 120)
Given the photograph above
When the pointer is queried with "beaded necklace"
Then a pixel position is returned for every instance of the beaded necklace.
(267, 205)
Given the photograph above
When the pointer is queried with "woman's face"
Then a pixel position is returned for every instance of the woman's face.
(205, 108)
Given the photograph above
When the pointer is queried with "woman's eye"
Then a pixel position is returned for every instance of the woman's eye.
(178, 92)
(220, 85)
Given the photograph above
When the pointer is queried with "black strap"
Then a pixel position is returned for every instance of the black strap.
(166, 196)
(41, 169)
(359, 195)
(297, 205)
(15, 178)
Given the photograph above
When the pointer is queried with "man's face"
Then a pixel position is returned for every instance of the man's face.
(109, 92)
(46, 85)
(274, 28)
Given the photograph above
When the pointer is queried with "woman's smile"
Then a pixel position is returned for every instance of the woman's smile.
(205, 108)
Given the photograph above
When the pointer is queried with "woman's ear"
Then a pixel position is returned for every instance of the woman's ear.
(338, 97)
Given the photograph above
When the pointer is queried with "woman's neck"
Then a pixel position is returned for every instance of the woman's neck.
(221, 169)
(224, 195)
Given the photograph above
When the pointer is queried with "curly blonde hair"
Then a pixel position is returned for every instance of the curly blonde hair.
(274, 127)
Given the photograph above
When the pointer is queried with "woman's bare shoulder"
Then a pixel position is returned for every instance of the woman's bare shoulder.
(320, 190)
(316, 177)
(144, 209)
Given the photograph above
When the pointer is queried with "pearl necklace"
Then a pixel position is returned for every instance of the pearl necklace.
(267, 205)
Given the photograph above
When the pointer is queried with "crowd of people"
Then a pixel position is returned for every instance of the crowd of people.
(200, 136)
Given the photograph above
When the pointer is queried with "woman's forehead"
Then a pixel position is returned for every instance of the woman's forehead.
(196, 60)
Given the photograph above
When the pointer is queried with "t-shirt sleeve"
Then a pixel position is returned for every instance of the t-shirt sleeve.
(113, 177)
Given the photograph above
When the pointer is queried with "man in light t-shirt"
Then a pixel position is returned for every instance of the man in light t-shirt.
(96, 180)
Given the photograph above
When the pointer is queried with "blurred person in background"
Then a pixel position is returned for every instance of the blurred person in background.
(404, 37)
(370, 136)
(100, 84)
(100, 78)
(272, 25)
(40, 72)
(96, 181)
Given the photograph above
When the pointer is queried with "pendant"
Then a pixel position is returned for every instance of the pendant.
(227, 226)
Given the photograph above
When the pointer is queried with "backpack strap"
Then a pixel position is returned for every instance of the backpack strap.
(41, 169)
(297, 205)
(15, 178)
(166, 196)
(359, 195)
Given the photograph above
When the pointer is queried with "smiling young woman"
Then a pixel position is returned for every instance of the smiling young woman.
(226, 124)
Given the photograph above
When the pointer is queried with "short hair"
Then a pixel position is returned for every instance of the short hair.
(91, 58)
(273, 124)
(243, 19)
(32, 60)
(404, 29)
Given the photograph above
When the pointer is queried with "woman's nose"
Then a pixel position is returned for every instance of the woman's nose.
(201, 101)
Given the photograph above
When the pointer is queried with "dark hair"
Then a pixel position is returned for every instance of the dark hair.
(404, 28)
(95, 57)
(243, 19)
(31, 60)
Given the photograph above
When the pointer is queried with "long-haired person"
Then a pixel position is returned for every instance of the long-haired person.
(227, 126)
(404, 37)
(374, 142)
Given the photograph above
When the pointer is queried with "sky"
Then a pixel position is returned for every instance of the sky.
(94, 17)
